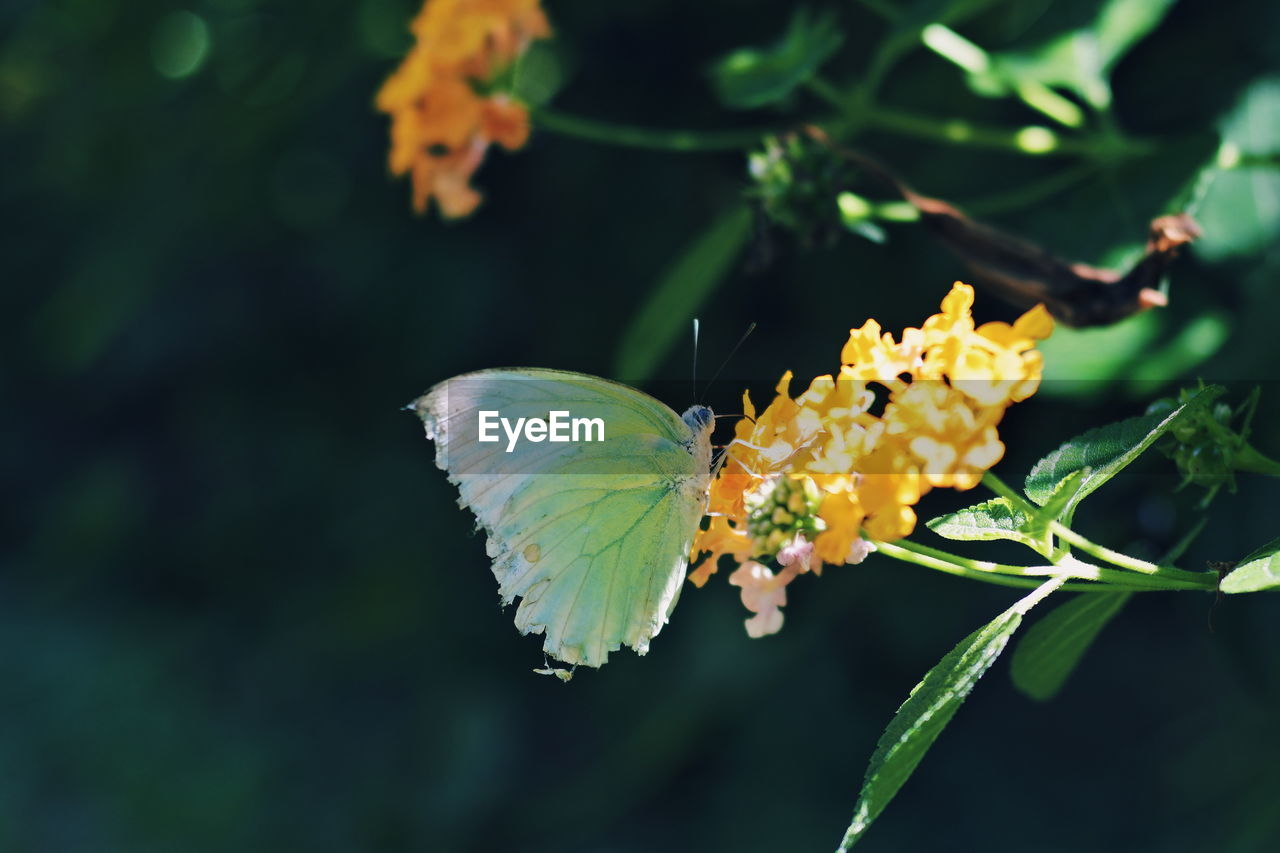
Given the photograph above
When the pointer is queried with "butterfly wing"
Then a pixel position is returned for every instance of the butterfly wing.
(593, 537)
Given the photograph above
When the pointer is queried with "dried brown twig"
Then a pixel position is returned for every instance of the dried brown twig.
(1026, 274)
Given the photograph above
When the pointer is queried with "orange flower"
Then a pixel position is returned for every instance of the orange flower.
(842, 515)
(441, 124)
(718, 539)
(803, 482)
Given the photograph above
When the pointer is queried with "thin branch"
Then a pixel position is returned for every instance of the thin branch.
(654, 139)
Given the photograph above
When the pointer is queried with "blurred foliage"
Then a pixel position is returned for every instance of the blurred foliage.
(750, 77)
(239, 606)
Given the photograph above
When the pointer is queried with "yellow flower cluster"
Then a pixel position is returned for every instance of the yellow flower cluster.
(943, 387)
(441, 124)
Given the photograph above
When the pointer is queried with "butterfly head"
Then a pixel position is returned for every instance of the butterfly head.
(698, 418)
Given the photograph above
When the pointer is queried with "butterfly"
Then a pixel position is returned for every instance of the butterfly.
(592, 536)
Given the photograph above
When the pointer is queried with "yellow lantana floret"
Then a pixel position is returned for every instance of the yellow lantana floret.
(943, 389)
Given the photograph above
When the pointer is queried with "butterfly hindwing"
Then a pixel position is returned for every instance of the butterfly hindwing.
(592, 536)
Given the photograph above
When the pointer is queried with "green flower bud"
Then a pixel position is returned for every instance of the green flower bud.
(778, 510)
(1208, 465)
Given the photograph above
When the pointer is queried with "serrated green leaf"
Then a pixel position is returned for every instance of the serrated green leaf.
(1056, 506)
(931, 705)
(1052, 647)
(1258, 571)
(679, 293)
(993, 519)
(756, 77)
(1105, 451)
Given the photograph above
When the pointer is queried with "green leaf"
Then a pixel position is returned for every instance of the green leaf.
(1105, 221)
(1080, 60)
(993, 519)
(1046, 656)
(931, 705)
(756, 77)
(1104, 451)
(1003, 518)
(1059, 506)
(1056, 506)
(1258, 571)
(1238, 208)
(1082, 362)
(539, 73)
(679, 293)
(1191, 346)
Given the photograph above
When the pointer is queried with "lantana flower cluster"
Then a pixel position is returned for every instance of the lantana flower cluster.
(804, 480)
(442, 119)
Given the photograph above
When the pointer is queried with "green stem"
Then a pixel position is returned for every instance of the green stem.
(1029, 193)
(1124, 561)
(857, 115)
(1180, 547)
(1249, 459)
(828, 91)
(653, 139)
(897, 43)
(1020, 576)
(1108, 578)
(1254, 161)
(860, 114)
(1066, 534)
(995, 484)
(904, 37)
(1047, 588)
(897, 552)
(882, 8)
(1033, 141)
(974, 565)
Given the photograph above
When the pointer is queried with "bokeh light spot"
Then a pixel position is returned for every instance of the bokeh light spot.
(1036, 140)
(180, 44)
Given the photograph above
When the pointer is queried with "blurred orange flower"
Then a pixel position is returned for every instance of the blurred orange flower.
(811, 475)
(442, 120)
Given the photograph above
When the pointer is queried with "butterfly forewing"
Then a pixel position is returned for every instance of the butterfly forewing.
(592, 536)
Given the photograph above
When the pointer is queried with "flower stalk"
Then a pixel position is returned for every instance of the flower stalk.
(654, 139)
(1129, 574)
(1095, 577)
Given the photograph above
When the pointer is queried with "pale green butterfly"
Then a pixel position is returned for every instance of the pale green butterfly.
(592, 536)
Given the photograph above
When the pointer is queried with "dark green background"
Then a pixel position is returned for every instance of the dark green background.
(239, 609)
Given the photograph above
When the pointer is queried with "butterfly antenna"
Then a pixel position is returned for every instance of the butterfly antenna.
(695, 360)
(725, 363)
